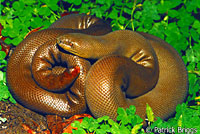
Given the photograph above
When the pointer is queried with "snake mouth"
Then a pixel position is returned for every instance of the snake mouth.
(65, 46)
(68, 47)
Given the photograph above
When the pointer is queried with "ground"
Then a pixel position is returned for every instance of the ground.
(17, 118)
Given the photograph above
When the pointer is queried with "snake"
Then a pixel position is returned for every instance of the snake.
(79, 62)
(39, 73)
(132, 68)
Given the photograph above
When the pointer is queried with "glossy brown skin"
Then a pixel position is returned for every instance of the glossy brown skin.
(133, 69)
(41, 48)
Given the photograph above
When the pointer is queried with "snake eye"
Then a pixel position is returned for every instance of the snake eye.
(70, 43)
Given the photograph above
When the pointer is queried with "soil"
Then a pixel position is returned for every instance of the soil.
(19, 118)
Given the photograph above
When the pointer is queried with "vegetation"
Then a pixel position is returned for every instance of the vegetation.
(175, 21)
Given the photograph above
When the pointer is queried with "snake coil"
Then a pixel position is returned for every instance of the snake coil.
(132, 68)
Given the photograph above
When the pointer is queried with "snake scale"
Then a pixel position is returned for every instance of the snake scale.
(51, 72)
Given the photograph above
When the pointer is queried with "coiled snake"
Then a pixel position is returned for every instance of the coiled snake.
(50, 71)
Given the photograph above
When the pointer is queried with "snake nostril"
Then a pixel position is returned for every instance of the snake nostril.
(59, 41)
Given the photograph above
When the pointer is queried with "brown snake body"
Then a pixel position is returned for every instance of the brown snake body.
(152, 72)
(133, 69)
(53, 62)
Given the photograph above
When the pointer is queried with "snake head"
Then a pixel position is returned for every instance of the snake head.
(75, 43)
(67, 44)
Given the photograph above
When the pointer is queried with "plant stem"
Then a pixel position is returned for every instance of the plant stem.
(194, 72)
(70, 9)
(134, 7)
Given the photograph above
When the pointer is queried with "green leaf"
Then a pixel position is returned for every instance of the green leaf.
(84, 124)
(137, 15)
(70, 1)
(44, 11)
(124, 130)
(16, 41)
(136, 128)
(114, 125)
(191, 55)
(196, 24)
(180, 121)
(10, 23)
(36, 22)
(198, 65)
(175, 3)
(104, 9)
(100, 2)
(113, 14)
(191, 66)
(192, 5)
(8, 41)
(194, 34)
(121, 111)
(29, 2)
(162, 8)
(118, 2)
(150, 115)
(100, 131)
(2, 55)
(185, 31)
(52, 19)
(4, 93)
(13, 33)
(76, 124)
(79, 131)
(158, 30)
(16, 5)
(122, 115)
(76, 2)
(27, 12)
(3, 20)
(4, 32)
(192, 83)
(84, 8)
(1, 74)
(186, 20)
(54, 7)
(173, 13)
(109, 3)
(150, 12)
(126, 116)
(27, 24)
(129, 4)
(149, 23)
(11, 99)
(131, 110)
(185, 60)
(46, 24)
(97, 11)
(127, 10)
(166, 5)
(16, 22)
(104, 128)
(104, 118)
(93, 125)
